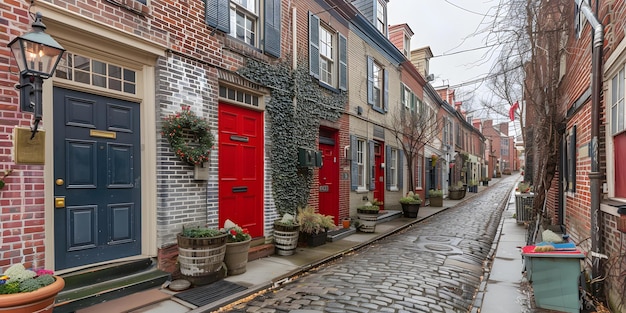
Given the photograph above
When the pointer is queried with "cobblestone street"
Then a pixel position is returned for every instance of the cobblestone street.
(433, 266)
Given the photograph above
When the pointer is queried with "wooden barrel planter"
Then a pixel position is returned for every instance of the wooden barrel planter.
(236, 257)
(286, 239)
(367, 220)
(200, 256)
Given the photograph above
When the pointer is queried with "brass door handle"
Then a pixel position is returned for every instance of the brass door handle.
(59, 182)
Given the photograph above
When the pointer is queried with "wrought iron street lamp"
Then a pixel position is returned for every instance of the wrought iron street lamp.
(37, 55)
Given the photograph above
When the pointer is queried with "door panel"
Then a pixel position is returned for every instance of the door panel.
(241, 168)
(329, 180)
(379, 173)
(97, 154)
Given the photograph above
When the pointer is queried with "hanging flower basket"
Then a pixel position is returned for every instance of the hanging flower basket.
(189, 136)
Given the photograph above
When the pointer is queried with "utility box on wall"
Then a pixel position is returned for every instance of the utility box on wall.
(309, 158)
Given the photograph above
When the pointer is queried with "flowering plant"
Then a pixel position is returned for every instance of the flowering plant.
(6, 173)
(18, 279)
(235, 233)
(173, 130)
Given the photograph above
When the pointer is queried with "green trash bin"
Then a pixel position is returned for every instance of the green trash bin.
(554, 277)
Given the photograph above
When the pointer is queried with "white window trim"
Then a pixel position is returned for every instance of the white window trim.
(334, 46)
(393, 163)
(378, 75)
(234, 8)
(363, 152)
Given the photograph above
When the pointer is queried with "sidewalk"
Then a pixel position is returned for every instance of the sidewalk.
(502, 289)
(275, 270)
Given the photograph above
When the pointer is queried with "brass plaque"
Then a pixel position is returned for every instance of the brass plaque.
(102, 134)
(29, 151)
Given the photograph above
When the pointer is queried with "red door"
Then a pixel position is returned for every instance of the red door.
(329, 181)
(379, 173)
(241, 168)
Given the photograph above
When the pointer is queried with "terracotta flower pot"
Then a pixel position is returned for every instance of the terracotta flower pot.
(345, 223)
(40, 300)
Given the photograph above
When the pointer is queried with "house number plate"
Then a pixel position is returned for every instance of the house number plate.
(324, 188)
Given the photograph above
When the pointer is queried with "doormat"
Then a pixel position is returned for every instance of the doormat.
(204, 295)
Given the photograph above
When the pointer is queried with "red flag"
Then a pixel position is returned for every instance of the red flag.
(514, 107)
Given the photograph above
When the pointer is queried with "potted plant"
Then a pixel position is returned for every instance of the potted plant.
(200, 252)
(237, 246)
(368, 215)
(314, 226)
(473, 185)
(286, 232)
(457, 191)
(410, 204)
(23, 290)
(346, 222)
(485, 180)
(523, 187)
(436, 197)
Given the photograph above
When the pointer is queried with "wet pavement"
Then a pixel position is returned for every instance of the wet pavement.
(435, 265)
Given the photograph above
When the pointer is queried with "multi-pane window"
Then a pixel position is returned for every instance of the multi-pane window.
(504, 147)
(406, 96)
(393, 168)
(380, 17)
(361, 157)
(406, 46)
(377, 75)
(327, 52)
(419, 171)
(243, 20)
(617, 103)
(97, 73)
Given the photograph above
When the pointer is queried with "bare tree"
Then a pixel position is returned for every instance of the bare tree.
(414, 130)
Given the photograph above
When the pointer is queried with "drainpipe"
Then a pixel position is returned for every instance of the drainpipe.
(595, 175)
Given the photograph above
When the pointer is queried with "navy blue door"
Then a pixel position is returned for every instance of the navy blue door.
(97, 171)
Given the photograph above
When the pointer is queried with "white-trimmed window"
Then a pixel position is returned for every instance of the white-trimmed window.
(86, 70)
(617, 103)
(393, 168)
(244, 21)
(406, 46)
(361, 159)
(380, 17)
(420, 169)
(327, 56)
(377, 75)
(406, 96)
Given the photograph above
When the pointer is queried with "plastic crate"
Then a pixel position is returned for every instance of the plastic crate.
(524, 207)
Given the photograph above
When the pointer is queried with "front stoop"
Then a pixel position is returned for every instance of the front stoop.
(95, 285)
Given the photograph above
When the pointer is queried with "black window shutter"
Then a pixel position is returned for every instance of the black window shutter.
(343, 62)
(370, 81)
(217, 14)
(354, 166)
(272, 27)
(314, 45)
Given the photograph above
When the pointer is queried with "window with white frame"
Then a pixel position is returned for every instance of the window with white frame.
(327, 52)
(243, 20)
(380, 17)
(393, 168)
(361, 159)
(617, 103)
(406, 96)
(420, 169)
(406, 46)
(378, 85)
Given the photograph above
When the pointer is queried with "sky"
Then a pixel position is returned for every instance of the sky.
(455, 32)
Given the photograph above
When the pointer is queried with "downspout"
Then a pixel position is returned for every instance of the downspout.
(595, 175)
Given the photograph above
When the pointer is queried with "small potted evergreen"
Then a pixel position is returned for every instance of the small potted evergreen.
(314, 226)
(436, 197)
(368, 215)
(410, 204)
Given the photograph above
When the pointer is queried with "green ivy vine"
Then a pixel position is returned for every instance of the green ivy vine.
(292, 126)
